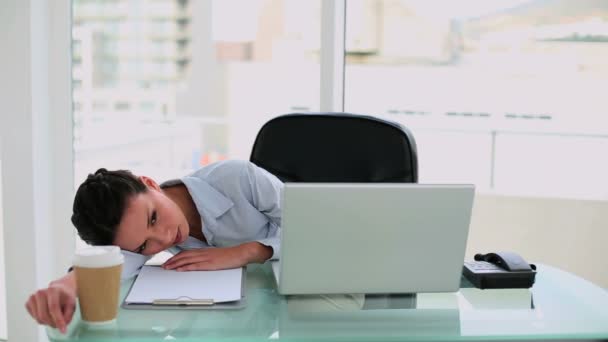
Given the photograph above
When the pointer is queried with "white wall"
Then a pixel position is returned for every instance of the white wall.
(36, 152)
(569, 234)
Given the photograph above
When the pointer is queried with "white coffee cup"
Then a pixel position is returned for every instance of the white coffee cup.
(98, 271)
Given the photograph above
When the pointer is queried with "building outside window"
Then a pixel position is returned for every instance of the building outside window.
(492, 91)
(181, 84)
(505, 94)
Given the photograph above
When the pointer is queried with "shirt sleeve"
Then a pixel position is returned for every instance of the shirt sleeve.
(273, 242)
(133, 263)
(266, 192)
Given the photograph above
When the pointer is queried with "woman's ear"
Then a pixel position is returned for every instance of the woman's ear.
(149, 182)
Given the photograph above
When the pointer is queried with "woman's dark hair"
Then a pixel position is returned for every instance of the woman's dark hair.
(100, 203)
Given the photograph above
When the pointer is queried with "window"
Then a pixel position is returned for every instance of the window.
(186, 83)
(506, 94)
(486, 87)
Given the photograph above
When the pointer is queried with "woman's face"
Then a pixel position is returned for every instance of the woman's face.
(151, 223)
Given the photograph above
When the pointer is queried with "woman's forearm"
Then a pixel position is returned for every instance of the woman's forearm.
(68, 280)
(256, 252)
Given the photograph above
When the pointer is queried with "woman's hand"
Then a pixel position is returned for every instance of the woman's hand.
(55, 305)
(219, 258)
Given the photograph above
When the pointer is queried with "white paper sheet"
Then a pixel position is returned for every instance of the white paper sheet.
(154, 283)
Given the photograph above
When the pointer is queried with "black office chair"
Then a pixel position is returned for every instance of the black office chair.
(336, 147)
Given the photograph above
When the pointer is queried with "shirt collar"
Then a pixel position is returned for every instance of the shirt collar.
(210, 203)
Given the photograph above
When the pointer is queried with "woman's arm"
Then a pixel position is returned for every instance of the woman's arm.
(256, 252)
(266, 193)
(266, 190)
(55, 305)
(219, 258)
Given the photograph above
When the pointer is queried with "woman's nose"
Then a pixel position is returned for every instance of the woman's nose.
(163, 235)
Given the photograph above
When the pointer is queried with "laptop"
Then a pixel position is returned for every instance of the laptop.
(372, 237)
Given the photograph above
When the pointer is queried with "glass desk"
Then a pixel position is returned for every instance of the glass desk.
(559, 306)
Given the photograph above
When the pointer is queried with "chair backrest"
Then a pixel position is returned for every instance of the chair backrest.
(336, 147)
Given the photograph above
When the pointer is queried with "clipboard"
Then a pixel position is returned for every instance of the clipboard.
(184, 302)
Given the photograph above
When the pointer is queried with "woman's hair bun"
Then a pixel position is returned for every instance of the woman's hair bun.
(98, 175)
(101, 171)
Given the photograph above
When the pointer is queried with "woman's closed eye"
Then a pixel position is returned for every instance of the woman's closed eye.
(151, 222)
(153, 218)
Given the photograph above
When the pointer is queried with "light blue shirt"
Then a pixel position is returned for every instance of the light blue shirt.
(238, 202)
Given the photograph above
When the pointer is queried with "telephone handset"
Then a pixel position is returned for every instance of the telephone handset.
(502, 270)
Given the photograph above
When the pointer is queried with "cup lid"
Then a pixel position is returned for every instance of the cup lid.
(98, 256)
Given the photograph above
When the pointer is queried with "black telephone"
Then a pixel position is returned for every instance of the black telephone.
(502, 270)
